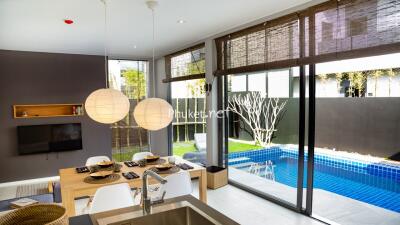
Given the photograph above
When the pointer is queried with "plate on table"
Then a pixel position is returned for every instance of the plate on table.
(164, 166)
(157, 162)
(104, 164)
(101, 174)
(152, 158)
(171, 170)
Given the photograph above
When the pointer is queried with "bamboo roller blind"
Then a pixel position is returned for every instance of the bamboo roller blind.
(186, 64)
(330, 31)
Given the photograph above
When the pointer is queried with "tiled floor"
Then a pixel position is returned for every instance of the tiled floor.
(248, 209)
(328, 205)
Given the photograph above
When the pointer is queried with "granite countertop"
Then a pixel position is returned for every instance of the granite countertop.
(91, 219)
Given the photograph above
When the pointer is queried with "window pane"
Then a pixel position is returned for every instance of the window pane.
(257, 82)
(189, 63)
(130, 77)
(278, 84)
(376, 76)
(237, 83)
(189, 124)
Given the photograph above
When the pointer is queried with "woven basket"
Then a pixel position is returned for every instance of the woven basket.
(37, 214)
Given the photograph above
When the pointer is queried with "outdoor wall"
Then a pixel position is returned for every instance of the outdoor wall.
(288, 126)
(363, 125)
(44, 78)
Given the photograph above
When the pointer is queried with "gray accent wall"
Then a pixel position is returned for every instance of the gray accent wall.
(47, 78)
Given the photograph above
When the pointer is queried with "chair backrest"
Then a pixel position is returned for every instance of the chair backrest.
(140, 155)
(200, 137)
(96, 159)
(178, 184)
(112, 197)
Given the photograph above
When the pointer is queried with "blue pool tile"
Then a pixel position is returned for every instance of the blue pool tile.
(373, 183)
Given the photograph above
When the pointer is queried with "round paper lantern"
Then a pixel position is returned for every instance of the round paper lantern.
(153, 113)
(107, 105)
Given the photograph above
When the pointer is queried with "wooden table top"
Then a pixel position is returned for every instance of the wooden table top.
(70, 179)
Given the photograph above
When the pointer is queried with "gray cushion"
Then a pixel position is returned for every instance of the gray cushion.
(45, 198)
(196, 157)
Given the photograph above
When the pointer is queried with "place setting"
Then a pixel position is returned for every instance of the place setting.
(168, 167)
(165, 168)
(102, 172)
(154, 160)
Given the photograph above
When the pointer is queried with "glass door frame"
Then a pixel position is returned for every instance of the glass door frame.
(223, 145)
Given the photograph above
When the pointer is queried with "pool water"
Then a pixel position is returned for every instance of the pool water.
(361, 182)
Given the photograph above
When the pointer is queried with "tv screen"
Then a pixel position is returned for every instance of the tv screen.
(49, 138)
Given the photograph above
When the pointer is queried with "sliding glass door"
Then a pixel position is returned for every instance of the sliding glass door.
(357, 141)
(262, 134)
(333, 148)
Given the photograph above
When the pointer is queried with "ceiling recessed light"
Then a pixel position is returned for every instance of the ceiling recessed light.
(181, 21)
(134, 46)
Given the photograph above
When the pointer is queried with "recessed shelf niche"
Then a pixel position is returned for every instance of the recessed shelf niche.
(47, 110)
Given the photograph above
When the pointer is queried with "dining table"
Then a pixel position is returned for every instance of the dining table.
(73, 184)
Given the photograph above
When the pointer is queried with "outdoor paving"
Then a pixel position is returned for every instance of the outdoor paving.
(328, 205)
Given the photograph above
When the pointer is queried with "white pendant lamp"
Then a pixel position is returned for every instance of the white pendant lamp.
(107, 105)
(153, 113)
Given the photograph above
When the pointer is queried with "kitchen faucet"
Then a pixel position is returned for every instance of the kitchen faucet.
(146, 200)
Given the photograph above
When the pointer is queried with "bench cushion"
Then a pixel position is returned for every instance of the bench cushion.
(44, 198)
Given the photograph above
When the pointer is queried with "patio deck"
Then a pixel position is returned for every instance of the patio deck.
(326, 204)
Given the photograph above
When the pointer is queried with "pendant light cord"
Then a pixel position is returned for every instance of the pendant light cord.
(154, 75)
(105, 42)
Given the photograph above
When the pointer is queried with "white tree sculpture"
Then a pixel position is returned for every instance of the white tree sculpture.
(259, 113)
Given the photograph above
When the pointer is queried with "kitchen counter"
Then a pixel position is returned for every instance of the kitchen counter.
(185, 200)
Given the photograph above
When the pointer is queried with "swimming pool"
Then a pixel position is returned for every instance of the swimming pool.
(374, 183)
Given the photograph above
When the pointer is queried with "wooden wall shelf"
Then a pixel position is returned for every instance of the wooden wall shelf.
(47, 110)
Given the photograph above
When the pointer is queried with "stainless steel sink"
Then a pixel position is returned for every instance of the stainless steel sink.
(180, 216)
(178, 213)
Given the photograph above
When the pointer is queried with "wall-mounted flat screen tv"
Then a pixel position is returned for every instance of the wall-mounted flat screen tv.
(49, 138)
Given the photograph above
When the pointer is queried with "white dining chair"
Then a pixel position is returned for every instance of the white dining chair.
(111, 197)
(96, 159)
(140, 155)
(178, 184)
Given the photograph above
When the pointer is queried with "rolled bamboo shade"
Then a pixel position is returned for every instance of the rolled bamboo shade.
(330, 31)
(186, 64)
(352, 25)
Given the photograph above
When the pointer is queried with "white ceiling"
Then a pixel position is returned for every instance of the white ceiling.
(37, 25)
